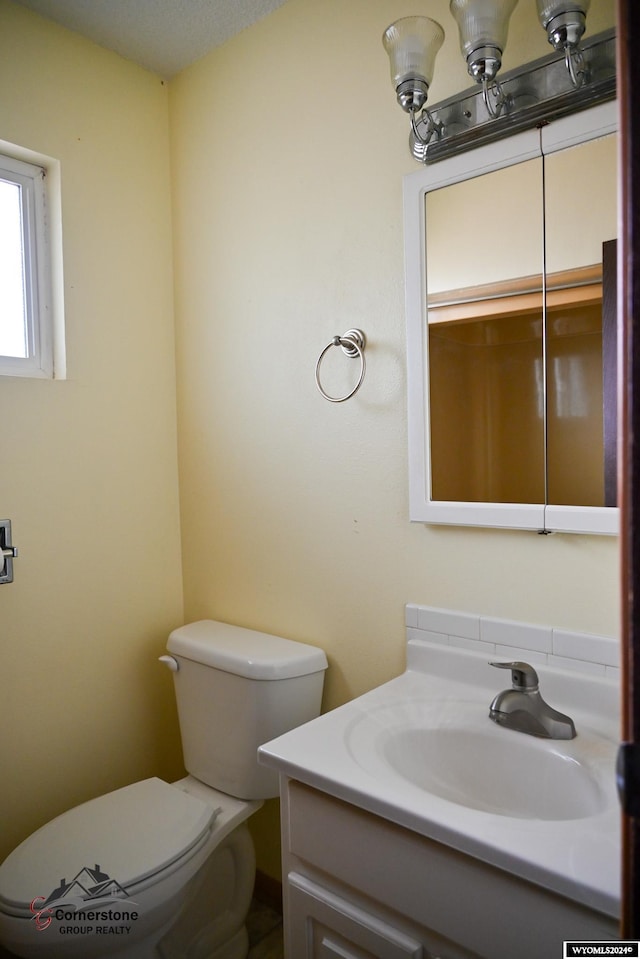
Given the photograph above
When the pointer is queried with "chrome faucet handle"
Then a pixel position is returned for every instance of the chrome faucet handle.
(522, 707)
(523, 676)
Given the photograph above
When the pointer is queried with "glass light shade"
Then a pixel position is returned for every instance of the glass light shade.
(412, 44)
(548, 9)
(482, 23)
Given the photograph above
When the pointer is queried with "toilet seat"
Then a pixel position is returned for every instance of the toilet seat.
(116, 844)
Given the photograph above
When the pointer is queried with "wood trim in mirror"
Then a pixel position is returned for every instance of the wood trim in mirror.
(517, 297)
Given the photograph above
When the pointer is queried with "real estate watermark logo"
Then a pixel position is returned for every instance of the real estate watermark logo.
(91, 904)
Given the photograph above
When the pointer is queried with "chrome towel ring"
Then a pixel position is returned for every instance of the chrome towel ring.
(352, 343)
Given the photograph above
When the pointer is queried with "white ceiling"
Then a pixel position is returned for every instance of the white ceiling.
(163, 36)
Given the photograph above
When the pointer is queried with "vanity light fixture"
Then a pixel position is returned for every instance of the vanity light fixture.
(483, 27)
(525, 97)
(565, 21)
(412, 44)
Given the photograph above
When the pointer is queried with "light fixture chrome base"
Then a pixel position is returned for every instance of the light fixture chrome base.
(566, 30)
(539, 91)
(484, 63)
(412, 95)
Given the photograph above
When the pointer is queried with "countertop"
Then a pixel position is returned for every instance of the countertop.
(337, 753)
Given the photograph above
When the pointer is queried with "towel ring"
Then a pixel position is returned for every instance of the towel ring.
(352, 344)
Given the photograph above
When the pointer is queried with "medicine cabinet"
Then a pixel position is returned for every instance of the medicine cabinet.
(511, 331)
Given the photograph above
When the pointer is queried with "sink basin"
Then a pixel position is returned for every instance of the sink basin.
(507, 777)
(454, 752)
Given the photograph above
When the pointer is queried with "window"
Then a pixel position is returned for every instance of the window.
(26, 320)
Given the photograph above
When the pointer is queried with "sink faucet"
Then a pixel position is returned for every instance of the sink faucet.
(522, 707)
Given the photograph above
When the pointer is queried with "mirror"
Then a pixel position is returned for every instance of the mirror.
(578, 339)
(485, 352)
(511, 387)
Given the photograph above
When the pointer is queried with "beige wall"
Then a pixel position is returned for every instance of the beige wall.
(88, 473)
(287, 154)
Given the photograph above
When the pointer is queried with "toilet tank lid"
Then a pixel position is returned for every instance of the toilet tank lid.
(245, 652)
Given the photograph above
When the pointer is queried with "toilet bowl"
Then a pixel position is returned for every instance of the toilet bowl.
(160, 841)
(167, 870)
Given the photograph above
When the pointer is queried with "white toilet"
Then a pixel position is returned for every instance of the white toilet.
(167, 870)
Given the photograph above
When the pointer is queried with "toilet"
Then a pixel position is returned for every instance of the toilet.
(160, 869)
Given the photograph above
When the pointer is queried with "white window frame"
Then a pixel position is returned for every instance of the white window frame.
(32, 180)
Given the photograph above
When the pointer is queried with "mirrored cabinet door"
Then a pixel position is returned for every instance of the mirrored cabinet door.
(511, 368)
(485, 337)
(580, 334)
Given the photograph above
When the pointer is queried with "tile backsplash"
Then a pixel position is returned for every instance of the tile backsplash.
(585, 652)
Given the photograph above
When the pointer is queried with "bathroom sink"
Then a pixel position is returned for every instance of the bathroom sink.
(421, 752)
(512, 777)
(456, 753)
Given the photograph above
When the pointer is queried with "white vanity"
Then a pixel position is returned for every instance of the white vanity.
(414, 826)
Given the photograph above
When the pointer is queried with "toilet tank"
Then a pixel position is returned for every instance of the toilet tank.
(236, 689)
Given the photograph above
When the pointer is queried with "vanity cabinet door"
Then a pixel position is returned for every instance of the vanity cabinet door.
(326, 926)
